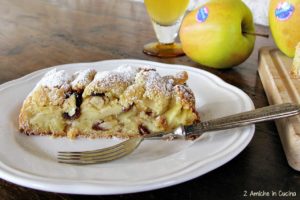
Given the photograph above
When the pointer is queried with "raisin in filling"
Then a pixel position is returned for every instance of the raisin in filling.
(68, 94)
(78, 97)
(149, 113)
(78, 102)
(126, 109)
(94, 94)
(143, 130)
(97, 126)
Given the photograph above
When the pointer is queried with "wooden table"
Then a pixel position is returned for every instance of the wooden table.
(36, 34)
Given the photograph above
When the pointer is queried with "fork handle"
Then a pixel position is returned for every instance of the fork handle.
(245, 118)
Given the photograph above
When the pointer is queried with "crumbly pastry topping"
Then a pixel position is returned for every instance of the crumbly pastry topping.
(115, 81)
(185, 95)
(82, 78)
(125, 102)
(56, 79)
(156, 85)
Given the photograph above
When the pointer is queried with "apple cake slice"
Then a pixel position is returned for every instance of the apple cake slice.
(126, 102)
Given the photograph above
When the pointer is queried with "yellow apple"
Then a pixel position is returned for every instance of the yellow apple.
(216, 34)
(284, 20)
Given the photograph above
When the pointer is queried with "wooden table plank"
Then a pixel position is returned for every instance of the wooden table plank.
(35, 34)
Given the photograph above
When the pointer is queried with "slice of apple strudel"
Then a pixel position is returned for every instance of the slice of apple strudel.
(125, 102)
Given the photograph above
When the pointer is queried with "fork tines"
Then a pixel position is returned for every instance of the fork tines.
(100, 155)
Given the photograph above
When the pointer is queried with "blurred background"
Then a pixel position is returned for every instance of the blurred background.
(259, 9)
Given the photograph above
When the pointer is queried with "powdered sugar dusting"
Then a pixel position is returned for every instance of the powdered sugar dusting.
(180, 75)
(117, 80)
(154, 83)
(127, 71)
(186, 93)
(82, 78)
(55, 79)
(169, 84)
(124, 74)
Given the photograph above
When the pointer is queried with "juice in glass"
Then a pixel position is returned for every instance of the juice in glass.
(166, 12)
(166, 17)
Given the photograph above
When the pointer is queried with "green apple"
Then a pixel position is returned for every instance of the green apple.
(284, 20)
(217, 33)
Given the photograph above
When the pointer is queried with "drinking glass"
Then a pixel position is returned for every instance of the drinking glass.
(166, 17)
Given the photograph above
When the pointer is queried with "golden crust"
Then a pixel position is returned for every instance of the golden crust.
(82, 79)
(113, 82)
(40, 113)
(122, 103)
(179, 78)
(185, 96)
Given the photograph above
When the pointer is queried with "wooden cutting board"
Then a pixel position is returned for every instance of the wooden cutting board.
(274, 70)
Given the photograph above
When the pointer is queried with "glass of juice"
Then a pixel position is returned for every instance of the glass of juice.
(166, 17)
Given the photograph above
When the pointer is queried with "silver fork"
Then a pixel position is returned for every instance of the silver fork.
(124, 148)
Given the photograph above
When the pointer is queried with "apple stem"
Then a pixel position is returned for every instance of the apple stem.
(257, 34)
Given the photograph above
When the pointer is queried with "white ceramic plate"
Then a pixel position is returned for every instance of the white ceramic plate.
(31, 162)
